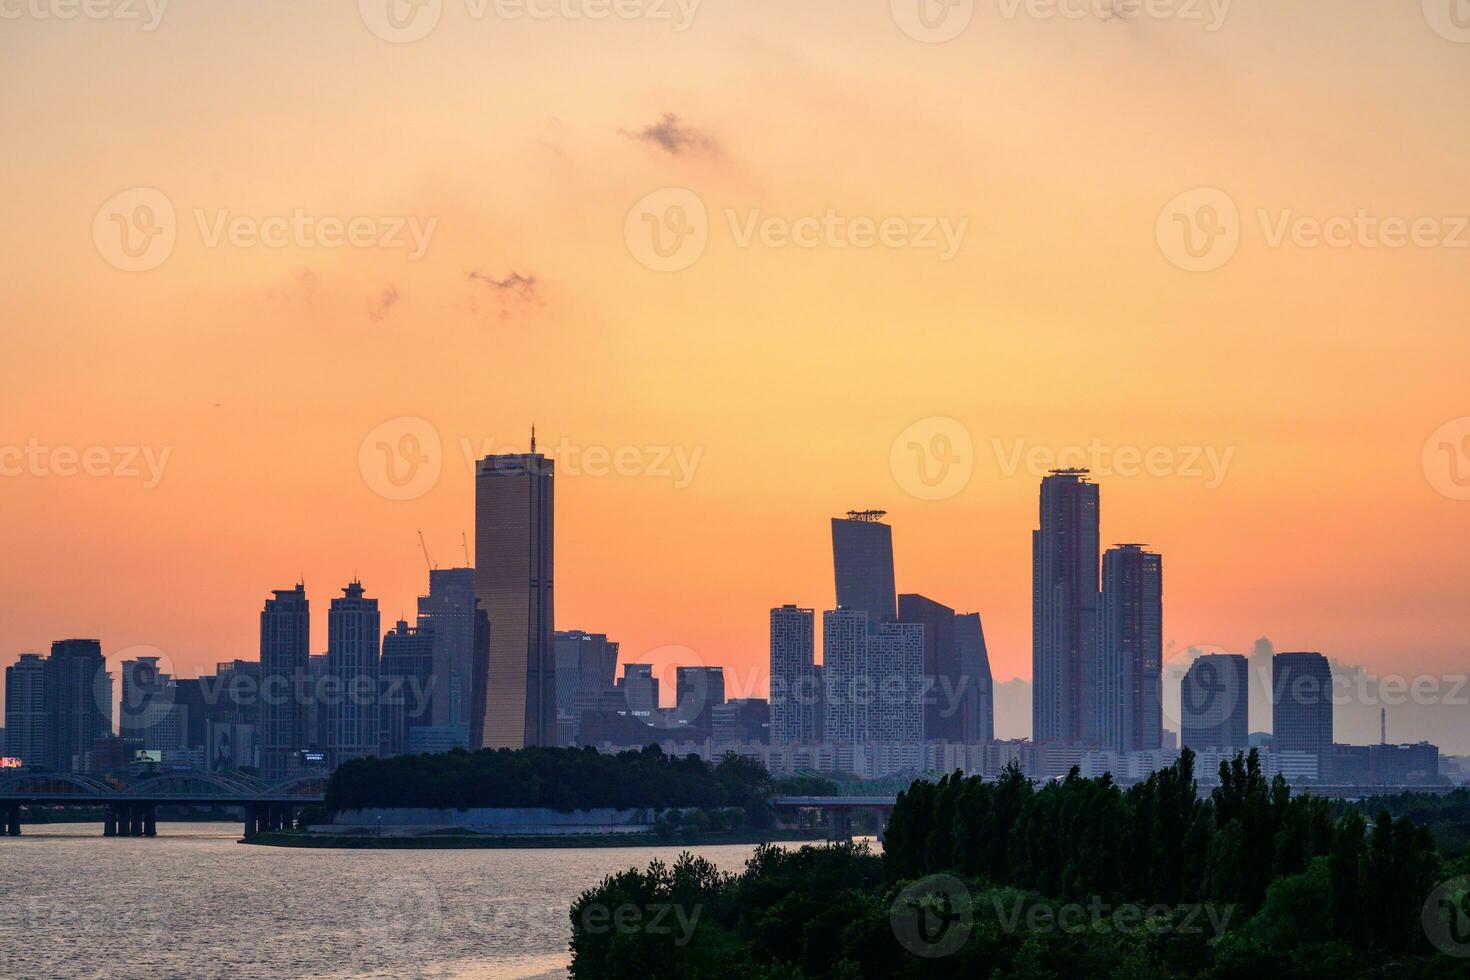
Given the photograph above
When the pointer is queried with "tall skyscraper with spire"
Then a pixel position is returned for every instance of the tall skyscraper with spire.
(1064, 606)
(514, 551)
(285, 637)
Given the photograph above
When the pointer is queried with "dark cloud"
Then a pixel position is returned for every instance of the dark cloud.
(674, 137)
(385, 302)
(514, 292)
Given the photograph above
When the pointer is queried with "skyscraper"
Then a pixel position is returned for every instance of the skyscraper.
(514, 534)
(977, 700)
(148, 710)
(942, 680)
(285, 635)
(1301, 698)
(27, 718)
(862, 562)
(405, 685)
(845, 664)
(1214, 703)
(354, 629)
(78, 699)
(697, 691)
(896, 714)
(586, 674)
(448, 612)
(1129, 680)
(793, 676)
(1064, 602)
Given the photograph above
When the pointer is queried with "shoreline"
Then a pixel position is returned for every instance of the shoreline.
(296, 838)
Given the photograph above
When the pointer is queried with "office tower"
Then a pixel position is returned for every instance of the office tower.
(148, 711)
(845, 663)
(191, 711)
(586, 674)
(741, 721)
(1301, 695)
(1214, 704)
(405, 684)
(862, 560)
(697, 690)
(1064, 601)
(285, 634)
(793, 676)
(896, 680)
(977, 694)
(79, 699)
(354, 629)
(514, 512)
(942, 680)
(640, 692)
(449, 612)
(27, 718)
(232, 715)
(1129, 680)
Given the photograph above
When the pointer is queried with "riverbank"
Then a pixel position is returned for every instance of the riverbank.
(442, 841)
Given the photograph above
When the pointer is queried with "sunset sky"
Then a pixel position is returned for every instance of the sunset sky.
(793, 380)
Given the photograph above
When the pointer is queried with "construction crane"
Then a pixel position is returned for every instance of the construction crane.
(426, 552)
(464, 539)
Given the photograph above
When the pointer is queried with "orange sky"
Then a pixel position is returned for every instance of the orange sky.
(788, 372)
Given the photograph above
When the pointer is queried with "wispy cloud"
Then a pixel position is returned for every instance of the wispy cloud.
(514, 292)
(385, 302)
(674, 137)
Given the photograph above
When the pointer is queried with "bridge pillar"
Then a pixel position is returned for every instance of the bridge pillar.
(12, 820)
(839, 823)
(150, 820)
(288, 817)
(884, 814)
(251, 814)
(135, 820)
(109, 823)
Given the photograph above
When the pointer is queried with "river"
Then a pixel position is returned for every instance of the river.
(194, 903)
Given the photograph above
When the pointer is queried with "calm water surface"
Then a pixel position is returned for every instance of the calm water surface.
(193, 903)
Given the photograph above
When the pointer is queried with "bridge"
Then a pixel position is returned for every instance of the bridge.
(131, 811)
(838, 810)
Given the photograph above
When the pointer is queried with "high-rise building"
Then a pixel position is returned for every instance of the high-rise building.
(977, 693)
(1129, 679)
(1064, 603)
(943, 681)
(862, 562)
(27, 715)
(449, 612)
(1301, 696)
(896, 684)
(79, 700)
(406, 674)
(586, 675)
(514, 535)
(741, 721)
(793, 676)
(845, 664)
(697, 690)
(354, 629)
(148, 710)
(285, 636)
(1214, 704)
(640, 692)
